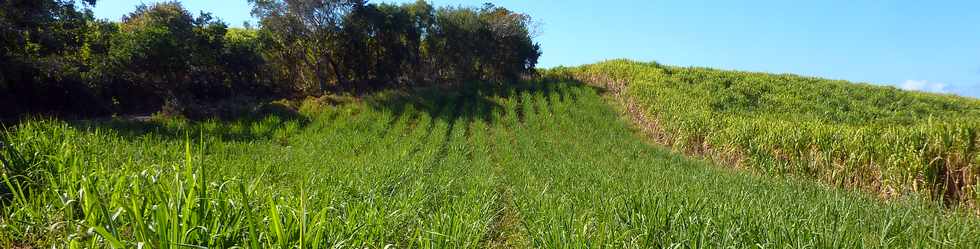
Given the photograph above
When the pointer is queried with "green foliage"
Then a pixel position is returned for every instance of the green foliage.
(153, 46)
(243, 62)
(158, 54)
(877, 138)
(178, 57)
(59, 59)
(543, 164)
(41, 28)
(39, 54)
(350, 45)
(307, 33)
(489, 43)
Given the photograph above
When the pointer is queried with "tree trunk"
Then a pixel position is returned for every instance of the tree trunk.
(320, 77)
(341, 80)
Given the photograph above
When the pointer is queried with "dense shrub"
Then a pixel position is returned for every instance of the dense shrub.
(40, 51)
(57, 58)
(350, 45)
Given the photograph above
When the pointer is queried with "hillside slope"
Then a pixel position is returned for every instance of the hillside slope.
(877, 138)
(542, 165)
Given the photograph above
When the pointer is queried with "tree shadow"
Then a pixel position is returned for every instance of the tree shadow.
(467, 103)
(444, 104)
(481, 100)
(268, 121)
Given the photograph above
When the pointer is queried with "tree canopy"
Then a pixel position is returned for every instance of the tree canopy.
(58, 58)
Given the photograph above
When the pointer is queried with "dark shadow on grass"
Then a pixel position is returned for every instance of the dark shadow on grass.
(265, 121)
(260, 123)
(481, 96)
(432, 101)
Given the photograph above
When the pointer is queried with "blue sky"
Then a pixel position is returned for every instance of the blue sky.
(922, 45)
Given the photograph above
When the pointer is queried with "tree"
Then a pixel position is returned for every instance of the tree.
(308, 28)
(244, 66)
(167, 50)
(513, 51)
(381, 43)
(42, 27)
(39, 45)
(489, 43)
(56, 56)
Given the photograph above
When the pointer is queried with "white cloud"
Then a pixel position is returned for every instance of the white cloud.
(924, 86)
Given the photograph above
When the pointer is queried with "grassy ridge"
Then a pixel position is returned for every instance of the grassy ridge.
(532, 165)
(878, 138)
(582, 179)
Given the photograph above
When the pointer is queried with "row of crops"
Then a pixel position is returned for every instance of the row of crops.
(535, 165)
(881, 139)
(344, 176)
